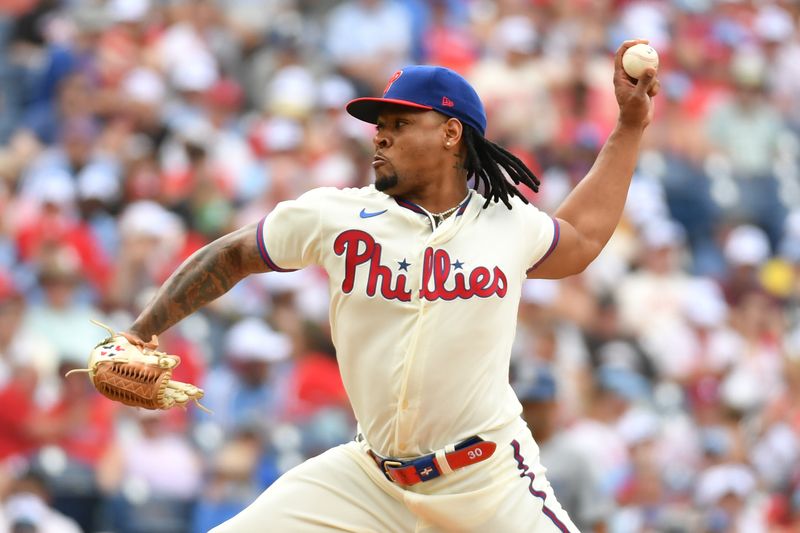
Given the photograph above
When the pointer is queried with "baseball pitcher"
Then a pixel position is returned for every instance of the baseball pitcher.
(426, 268)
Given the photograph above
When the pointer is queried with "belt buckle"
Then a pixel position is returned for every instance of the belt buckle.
(387, 464)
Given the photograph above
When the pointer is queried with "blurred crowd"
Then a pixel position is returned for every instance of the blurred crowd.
(662, 384)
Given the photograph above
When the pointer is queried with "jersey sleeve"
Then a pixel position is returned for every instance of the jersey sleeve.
(539, 233)
(289, 237)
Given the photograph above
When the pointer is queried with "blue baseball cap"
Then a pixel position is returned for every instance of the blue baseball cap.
(542, 388)
(623, 382)
(426, 87)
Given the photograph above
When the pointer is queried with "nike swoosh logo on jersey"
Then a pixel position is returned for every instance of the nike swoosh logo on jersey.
(364, 214)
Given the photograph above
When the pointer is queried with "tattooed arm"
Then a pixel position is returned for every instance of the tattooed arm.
(202, 278)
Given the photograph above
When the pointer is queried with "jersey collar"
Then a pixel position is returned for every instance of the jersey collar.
(417, 209)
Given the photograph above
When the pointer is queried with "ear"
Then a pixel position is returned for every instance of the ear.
(453, 130)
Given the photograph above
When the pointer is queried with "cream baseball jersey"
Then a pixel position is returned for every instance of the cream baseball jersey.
(423, 317)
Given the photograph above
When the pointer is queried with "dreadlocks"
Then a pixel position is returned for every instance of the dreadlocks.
(491, 167)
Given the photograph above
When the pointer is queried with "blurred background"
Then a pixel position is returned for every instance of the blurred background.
(663, 384)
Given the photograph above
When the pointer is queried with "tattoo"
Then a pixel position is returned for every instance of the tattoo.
(202, 278)
(460, 163)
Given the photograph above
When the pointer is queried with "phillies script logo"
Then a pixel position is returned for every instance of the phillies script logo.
(359, 248)
(392, 80)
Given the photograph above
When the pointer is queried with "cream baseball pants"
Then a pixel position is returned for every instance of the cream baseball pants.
(344, 490)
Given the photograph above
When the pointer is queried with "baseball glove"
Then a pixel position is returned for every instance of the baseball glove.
(137, 374)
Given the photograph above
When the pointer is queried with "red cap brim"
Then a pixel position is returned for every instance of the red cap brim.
(368, 109)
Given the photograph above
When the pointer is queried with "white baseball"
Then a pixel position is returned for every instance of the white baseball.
(639, 57)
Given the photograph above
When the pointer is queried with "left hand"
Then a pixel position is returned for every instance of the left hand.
(138, 342)
(634, 97)
(126, 369)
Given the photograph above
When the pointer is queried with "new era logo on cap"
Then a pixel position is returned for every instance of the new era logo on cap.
(426, 87)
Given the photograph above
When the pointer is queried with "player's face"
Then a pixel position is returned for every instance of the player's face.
(409, 150)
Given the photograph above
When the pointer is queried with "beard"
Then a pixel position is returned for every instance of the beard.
(383, 183)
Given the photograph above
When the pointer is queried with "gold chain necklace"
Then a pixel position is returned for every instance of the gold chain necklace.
(439, 217)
